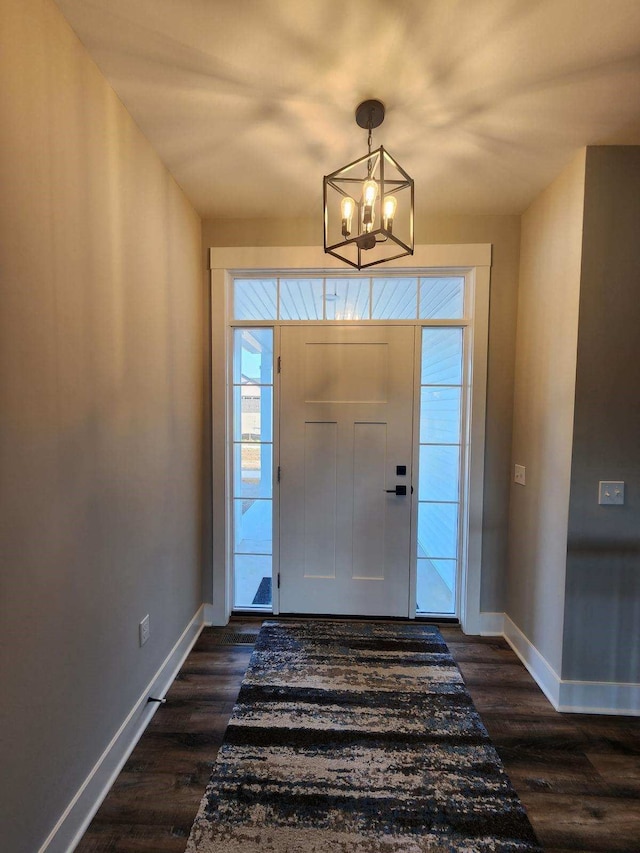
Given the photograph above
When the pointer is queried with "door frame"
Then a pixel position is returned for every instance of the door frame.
(472, 260)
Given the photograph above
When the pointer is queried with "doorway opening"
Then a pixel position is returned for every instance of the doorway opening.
(434, 311)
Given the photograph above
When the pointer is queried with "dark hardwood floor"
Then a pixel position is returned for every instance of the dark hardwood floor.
(578, 776)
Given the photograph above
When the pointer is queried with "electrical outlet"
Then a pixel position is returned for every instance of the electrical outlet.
(611, 492)
(145, 630)
(519, 475)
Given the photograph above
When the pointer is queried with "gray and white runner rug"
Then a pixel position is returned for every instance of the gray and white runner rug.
(359, 738)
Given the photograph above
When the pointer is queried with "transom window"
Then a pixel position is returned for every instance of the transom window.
(352, 298)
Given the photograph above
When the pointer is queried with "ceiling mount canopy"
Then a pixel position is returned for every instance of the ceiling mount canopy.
(370, 114)
(368, 204)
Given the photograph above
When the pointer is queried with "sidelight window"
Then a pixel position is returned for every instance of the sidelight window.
(439, 470)
(252, 467)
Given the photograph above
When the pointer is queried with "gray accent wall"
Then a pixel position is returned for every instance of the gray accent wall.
(602, 606)
(574, 566)
(101, 400)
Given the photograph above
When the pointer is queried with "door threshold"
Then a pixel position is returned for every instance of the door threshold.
(251, 614)
(442, 620)
(261, 615)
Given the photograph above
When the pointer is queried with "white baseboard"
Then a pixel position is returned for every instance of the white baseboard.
(492, 624)
(577, 697)
(69, 829)
(597, 697)
(543, 673)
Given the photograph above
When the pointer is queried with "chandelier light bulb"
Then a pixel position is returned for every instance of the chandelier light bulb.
(389, 211)
(347, 208)
(369, 193)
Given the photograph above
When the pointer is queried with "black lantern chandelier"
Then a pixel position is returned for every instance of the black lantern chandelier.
(368, 204)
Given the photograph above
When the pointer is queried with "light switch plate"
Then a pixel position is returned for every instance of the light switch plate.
(519, 475)
(611, 492)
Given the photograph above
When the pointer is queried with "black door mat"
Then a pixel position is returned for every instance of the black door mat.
(263, 595)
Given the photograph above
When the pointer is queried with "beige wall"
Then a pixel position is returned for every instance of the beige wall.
(603, 562)
(543, 409)
(504, 233)
(101, 428)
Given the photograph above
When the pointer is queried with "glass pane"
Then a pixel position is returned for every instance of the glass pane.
(439, 466)
(441, 357)
(441, 298)
(254, 299)
(436, 589)
(252, 412)
(252, 581)
(252, 526)
(301, 299)
(253, 356)
(440, 415)
(437, 530)
(347, 299)
(394, 299)
(252, 470)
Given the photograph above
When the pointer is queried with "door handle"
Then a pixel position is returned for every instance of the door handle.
(399, 490)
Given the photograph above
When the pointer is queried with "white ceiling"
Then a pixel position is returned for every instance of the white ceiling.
(250, 102)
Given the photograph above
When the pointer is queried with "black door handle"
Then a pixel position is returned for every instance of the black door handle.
(399, 490)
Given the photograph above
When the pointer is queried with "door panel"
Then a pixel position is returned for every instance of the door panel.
(320, 499)
(369, 500)
(346, 416)
(345, 372)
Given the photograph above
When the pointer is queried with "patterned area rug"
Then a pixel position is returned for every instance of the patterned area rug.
(360, 738)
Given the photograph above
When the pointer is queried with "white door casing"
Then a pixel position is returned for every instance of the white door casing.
(473, 259)
(346, 422)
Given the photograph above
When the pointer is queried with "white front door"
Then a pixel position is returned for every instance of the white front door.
(346, 424)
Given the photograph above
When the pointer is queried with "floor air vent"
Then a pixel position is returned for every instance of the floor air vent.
(231, 638)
